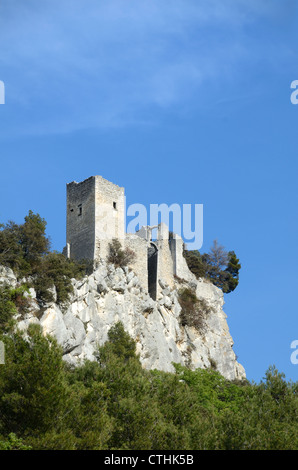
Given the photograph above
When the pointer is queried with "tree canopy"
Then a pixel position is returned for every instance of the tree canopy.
(114, 403)
(26, 249)
(220, 266)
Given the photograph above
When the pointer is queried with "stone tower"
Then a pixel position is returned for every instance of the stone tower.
(95, 215)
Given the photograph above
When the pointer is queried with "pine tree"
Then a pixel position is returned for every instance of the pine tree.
(232, 271)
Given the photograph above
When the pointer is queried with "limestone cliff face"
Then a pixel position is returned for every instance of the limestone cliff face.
(110, 295)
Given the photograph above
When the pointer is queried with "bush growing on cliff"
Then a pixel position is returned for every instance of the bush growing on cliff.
(222, 267)
(118, 256)
(119, 344)
(12, 301)
(56, 270)
(22, 247)
(25, 249)
(194, 311)
(13, 443)
(7, 308)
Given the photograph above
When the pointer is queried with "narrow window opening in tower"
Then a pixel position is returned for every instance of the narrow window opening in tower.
(115, 205)
(80, 209)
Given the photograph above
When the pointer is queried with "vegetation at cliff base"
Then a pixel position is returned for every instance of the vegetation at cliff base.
(113, 403)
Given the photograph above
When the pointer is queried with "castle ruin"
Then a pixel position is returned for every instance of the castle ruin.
(96, 215)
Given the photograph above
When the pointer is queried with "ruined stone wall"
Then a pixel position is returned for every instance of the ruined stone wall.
(165, 264)
(140, 265)
(109, 215)
(96, 214)
(180, 267)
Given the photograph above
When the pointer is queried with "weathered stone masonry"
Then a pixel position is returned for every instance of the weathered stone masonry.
(96, 215)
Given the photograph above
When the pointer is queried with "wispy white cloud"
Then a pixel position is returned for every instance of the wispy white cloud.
(101, 63)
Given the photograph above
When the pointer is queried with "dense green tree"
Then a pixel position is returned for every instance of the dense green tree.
(33, 239)
(131, 406)
(119, 344)
(219, 266)
(11, 252)
(212, 390)
(195, 263)
(56, 270)
(86, 422)
(23, 246)
(114, 403)
(25, 249)
(216, 262)
(260, 424)
(12, 442)
(232, 273)
(188, 426)
(7, 308)
(12, 301)
(32, 388)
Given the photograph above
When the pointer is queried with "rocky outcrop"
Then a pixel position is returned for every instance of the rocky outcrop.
(109, 295)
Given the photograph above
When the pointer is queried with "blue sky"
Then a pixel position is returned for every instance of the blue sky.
(180, 102)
